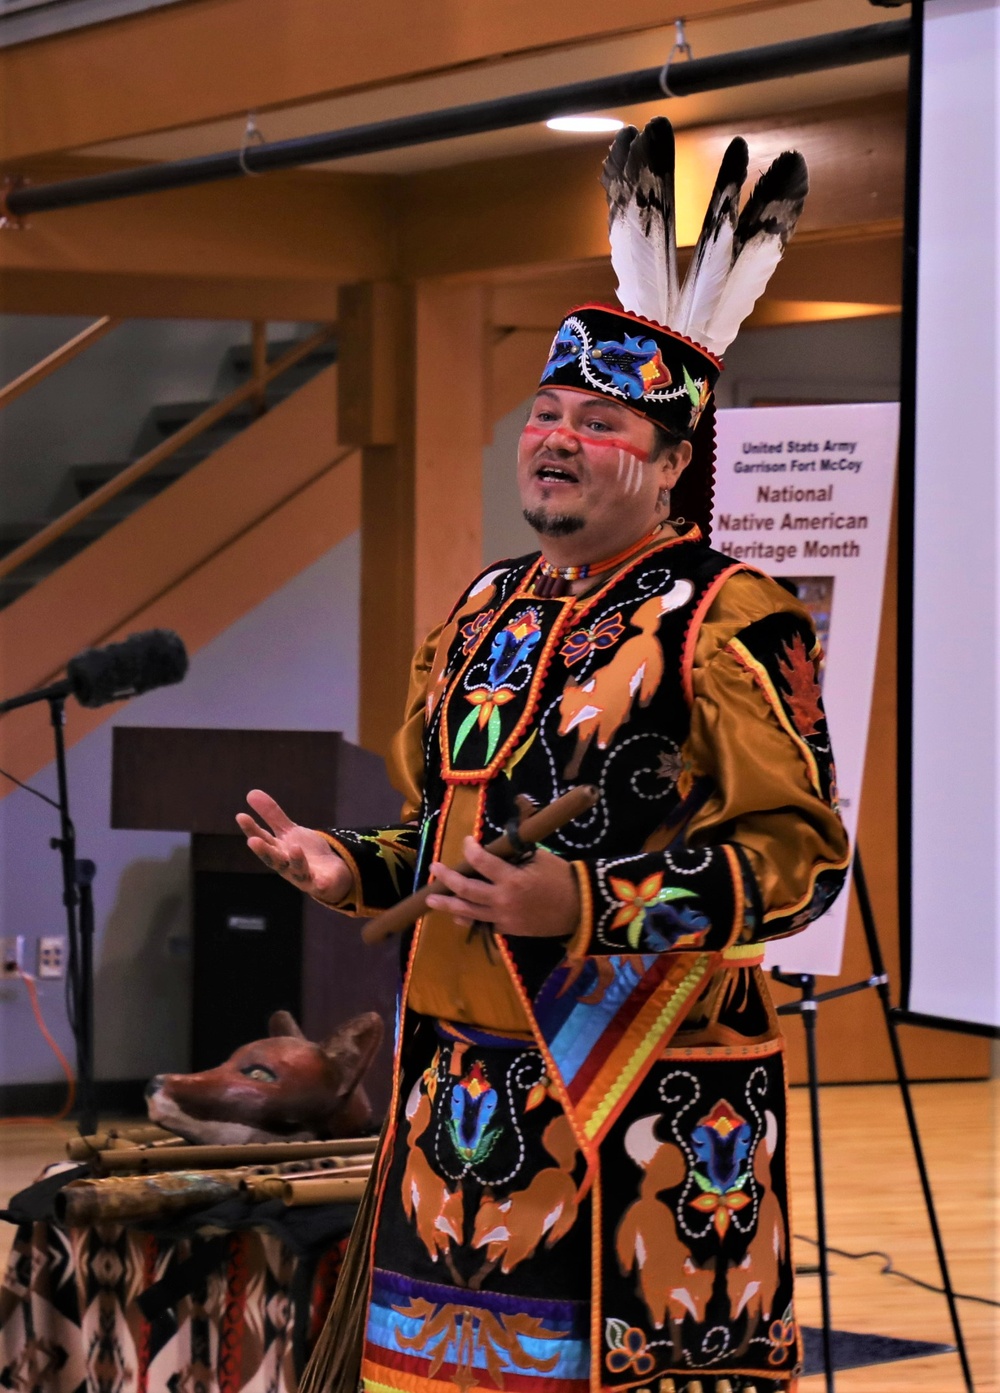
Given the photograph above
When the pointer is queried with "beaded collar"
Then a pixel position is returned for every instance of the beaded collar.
(552, 581)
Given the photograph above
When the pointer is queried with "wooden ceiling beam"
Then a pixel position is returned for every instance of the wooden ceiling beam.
(186, 64)
(306, 229)
(862, 270)
(866, 269)
(548, 208)
(162, 296)
(534, 226)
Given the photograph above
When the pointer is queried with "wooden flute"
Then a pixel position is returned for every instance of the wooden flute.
(534, 827)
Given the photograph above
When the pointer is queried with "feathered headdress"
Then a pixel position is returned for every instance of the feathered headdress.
(661, 353)
(736, 253)
(669, 357)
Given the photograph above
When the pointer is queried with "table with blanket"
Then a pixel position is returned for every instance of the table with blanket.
(228, 1299)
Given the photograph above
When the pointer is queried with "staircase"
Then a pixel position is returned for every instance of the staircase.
(162, 422)
(196, 557)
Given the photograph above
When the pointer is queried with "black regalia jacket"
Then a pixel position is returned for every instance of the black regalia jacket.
(686, 689)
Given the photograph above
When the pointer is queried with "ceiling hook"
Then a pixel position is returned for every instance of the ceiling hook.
(681, 47)
(252, 135)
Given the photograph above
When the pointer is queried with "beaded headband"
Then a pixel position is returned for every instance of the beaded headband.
(638, 363)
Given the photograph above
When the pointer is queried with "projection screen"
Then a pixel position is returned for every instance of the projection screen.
(950, 936)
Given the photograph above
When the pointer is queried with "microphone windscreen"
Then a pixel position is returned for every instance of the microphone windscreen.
(141, 662)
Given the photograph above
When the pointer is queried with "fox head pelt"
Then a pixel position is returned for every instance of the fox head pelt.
(282, 1088)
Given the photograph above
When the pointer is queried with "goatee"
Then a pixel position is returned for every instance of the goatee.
(552, 524)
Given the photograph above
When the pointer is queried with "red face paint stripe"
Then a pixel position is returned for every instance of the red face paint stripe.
(610, 442)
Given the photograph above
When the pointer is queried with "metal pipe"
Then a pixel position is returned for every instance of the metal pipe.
(867, 44)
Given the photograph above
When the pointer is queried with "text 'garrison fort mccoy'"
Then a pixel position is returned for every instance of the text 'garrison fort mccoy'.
(798, 457)
(787, 521)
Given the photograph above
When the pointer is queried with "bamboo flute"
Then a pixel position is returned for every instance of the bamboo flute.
(320, 1165)
(261, 1187)
(324, 1190)
(533, 828)
(197, 1158)
(121, 1199)
(133, 1198)
(82, 1148)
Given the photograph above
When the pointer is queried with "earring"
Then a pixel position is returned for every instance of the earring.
(663, 498)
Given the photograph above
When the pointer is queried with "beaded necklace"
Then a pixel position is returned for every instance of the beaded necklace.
(552, 582)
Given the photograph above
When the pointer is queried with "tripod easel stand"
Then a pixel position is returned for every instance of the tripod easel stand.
(807, 1008)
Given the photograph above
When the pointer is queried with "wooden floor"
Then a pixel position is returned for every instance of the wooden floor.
(873, 1201)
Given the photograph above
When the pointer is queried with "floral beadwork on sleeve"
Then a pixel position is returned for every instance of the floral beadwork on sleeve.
(382, 861)
(658, 901)
(782, 654)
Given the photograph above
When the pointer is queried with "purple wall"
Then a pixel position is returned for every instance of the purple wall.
(291, 663)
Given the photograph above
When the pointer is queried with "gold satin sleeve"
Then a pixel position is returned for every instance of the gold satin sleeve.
(764, 799)
(406, 753)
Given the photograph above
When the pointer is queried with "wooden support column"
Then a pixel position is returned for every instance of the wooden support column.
(375, 412)
(517, 360)
(453, 367)
(413, 387)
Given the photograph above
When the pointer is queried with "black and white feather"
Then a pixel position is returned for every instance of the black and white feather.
(638, 178)
(713, 254)
(765, 226)
(736, 253)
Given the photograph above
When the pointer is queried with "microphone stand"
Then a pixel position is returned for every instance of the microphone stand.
(77, 878)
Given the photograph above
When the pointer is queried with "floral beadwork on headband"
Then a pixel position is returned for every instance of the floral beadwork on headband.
(664, 376)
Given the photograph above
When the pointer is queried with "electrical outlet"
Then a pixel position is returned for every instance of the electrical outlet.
(11, 955)
(52, 957)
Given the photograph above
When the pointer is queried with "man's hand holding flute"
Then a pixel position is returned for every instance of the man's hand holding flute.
(535, 897)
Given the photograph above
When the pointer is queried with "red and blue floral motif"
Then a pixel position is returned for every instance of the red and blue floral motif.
(721, 1143)
(473, 1103)
(628, 1350)
(582, 642)
(511, 646)
(474, 630)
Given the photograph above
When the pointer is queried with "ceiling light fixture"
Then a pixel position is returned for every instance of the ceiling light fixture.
(585, 124)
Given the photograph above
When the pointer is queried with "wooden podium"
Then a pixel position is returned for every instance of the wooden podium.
(259, 945)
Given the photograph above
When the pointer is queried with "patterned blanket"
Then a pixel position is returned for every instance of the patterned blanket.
(114, 1310)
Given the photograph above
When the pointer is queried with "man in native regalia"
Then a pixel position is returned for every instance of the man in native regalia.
(583, 1182)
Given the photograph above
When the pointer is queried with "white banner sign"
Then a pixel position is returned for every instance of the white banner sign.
(806, 492)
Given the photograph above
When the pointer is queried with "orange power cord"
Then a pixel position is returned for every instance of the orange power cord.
(67, 1069)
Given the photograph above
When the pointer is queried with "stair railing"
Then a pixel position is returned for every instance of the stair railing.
(252, 390)
(56, 359)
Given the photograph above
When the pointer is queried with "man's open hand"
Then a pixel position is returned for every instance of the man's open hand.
(300, 855)
(538, 899)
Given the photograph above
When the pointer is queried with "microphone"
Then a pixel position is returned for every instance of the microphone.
(97, 676)
(155, 658)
